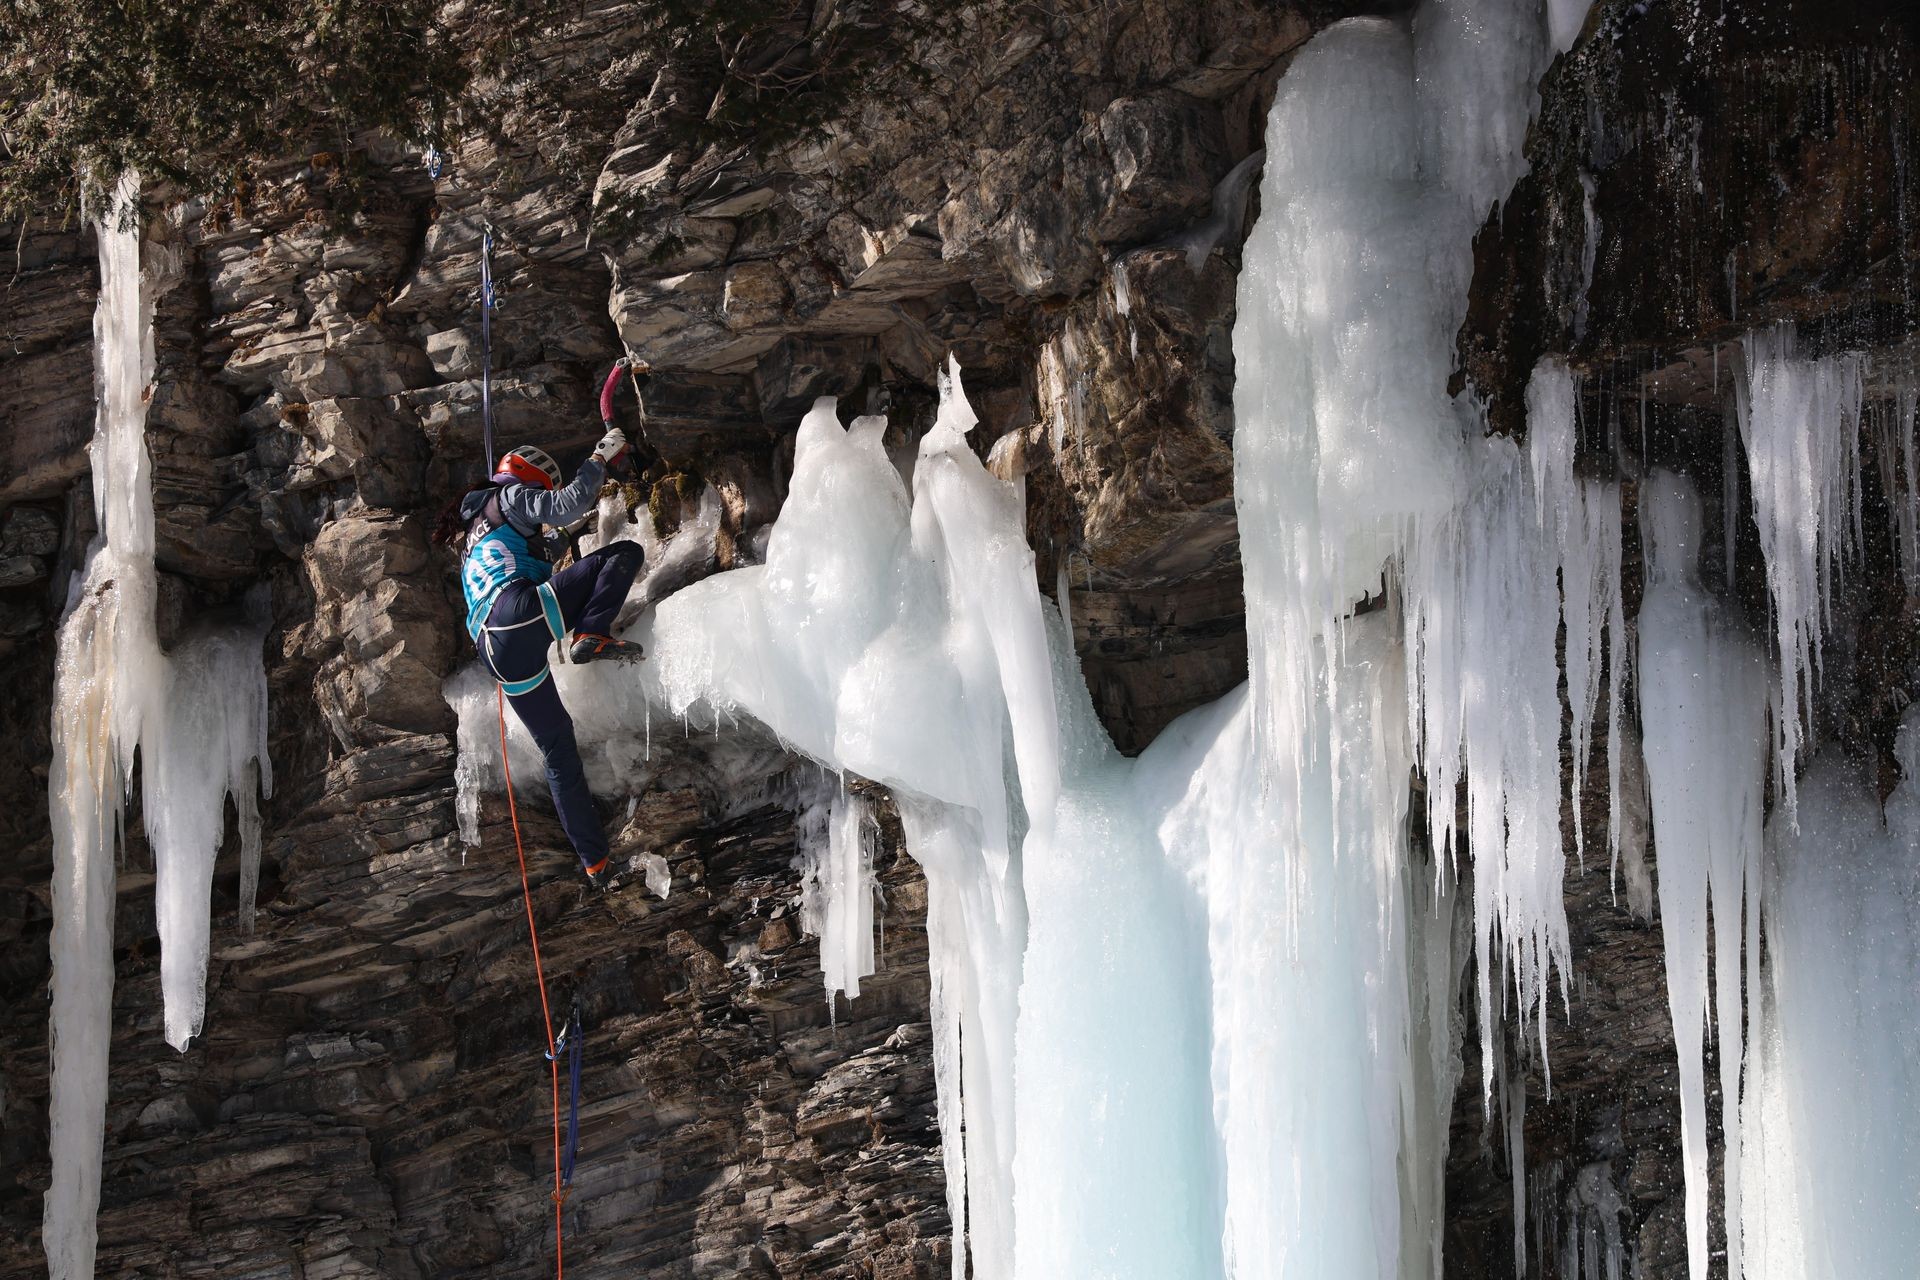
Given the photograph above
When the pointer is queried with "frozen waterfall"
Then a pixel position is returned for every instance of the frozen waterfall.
(1195, 1012)
(197, 719)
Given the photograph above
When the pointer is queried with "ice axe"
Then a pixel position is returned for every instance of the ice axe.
(637, 369)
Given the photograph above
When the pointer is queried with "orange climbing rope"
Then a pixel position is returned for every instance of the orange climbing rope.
(546, 1013)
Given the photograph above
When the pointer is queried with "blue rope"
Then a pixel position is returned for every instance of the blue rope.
(487, 302)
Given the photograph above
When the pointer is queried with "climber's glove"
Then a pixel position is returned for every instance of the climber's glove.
(611, 445)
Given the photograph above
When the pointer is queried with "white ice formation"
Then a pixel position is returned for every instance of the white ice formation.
(838, 890)
(1814, 932)
(1193, 1011)
(195, 716)
(1800, 423)
(1831, 1172)
(1703, 716)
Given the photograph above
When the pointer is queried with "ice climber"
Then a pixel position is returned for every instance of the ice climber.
(517, 605)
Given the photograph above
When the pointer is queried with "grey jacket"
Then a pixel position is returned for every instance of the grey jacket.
(528, 507)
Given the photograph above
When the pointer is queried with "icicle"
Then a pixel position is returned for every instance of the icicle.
(1703, 706)
(1482, 616)
(204, 745)
(1800, 423)
(1583, 517)
(838, 892)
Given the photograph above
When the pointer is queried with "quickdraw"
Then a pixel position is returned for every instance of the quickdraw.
(488, 301)
(570, 1039)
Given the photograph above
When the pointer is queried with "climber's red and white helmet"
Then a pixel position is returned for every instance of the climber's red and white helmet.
(529, 464)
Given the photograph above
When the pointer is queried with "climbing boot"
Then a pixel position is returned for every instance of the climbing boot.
(600, 874)
(588, 647)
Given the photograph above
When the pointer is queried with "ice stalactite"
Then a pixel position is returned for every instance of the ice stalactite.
(1703, 715)
(1800, 423)
(196, 719)
(1831, 1179)
(1482, 613)
(1582, 516)
(1486, 590)
(838, 891)
(209, 744)
(109, 666)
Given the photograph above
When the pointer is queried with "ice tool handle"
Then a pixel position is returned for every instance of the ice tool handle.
(635, 369)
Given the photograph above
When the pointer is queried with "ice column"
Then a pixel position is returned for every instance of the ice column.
(196, 718)
(1832, 1138)
(108, 673)
(1386, 150)
(1330, 1039)
(1703, 715)
(1115, 1169)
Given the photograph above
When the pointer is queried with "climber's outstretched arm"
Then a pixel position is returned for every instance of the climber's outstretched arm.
(529, 507)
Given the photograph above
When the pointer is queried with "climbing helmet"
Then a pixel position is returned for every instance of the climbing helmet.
(529, 464)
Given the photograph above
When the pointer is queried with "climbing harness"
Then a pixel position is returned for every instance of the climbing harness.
(562, 1179)
(556, 625)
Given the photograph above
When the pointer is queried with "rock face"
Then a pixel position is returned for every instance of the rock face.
(1039, 192)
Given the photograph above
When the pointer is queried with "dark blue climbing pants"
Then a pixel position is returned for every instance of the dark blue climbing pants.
(514, 648)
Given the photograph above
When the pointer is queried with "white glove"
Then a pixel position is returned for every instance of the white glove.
(610, 445)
